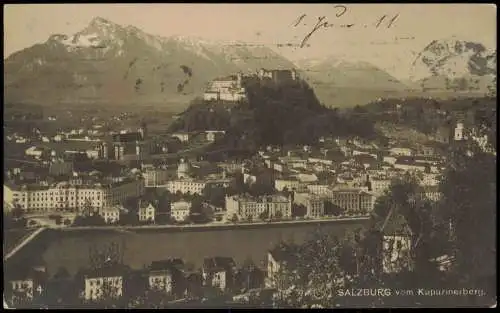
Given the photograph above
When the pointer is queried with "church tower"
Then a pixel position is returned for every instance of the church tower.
(239, 79)
(105, 150)
(143, 130)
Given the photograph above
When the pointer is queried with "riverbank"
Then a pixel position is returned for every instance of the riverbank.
(211, 226)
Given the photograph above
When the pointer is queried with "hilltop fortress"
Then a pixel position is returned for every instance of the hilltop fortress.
(231, 88)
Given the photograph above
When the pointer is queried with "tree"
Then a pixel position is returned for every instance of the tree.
(278, 215)
(469, 208)
(234, 218)
(87, 210)
(299, 210)
(216, 196)
(260, 189)
(62, 273)
(17, 212)
(197, 204)
(178, 195)
(316, 272)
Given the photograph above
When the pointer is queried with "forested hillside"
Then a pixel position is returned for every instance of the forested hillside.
(274, 114)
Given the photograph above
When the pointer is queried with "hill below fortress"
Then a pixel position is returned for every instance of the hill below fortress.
(272, 112)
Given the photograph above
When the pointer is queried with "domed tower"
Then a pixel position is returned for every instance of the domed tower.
(183, 170)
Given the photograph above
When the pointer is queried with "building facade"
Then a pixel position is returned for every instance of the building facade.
(155, 177)
(289, 184)
(111, 215)
(354, 201)
(180, 210)
(315, 205)
(245, 207)
(100, 286)
(185, 186)
(146, 213)
(72, 196)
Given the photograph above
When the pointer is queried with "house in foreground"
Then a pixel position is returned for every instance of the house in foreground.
(218, 272)
(105, 282)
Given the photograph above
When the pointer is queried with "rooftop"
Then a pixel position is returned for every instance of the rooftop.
(109, 270)
(168, 264)
(284, 252)
(127, 137)
(268, 198)
(218, 263)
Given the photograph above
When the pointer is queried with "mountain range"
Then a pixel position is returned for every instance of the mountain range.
(109, 64)
(455, 65)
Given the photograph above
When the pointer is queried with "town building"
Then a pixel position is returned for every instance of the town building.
(431, 193)
(430, 179)
(146, 212)
(73, 195)
(459, 132)
(315, 205)
(319, 189)
(105, 282)
(279, 259)
(154, 176)
(278, 76)
(401, 151)
(214, 135)
(351, 200)
(111, 215)
(379, 185)
(396, 245)
(444, 134)
(290, 184)
(160, 276)
(180, 210)
(184, 170)
(36, 152)
(306, 177)
(23, 285)
(411, 166)
(245, 207)
(185, 186)
(60, 167)
(218, 272)
(182, 136)
(127, 146)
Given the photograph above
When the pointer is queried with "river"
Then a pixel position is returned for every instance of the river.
(70, 249)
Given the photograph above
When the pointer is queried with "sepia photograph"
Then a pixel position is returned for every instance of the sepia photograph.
(261, 156)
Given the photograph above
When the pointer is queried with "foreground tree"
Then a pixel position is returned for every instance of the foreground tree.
(469, 208)
(318, 271)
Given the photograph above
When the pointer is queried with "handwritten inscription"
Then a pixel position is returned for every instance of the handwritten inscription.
(322, 23)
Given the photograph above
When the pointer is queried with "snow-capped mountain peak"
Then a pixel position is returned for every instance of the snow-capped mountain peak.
(453, 58)
(98, 34)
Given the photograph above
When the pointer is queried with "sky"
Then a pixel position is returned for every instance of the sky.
(391, 48)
